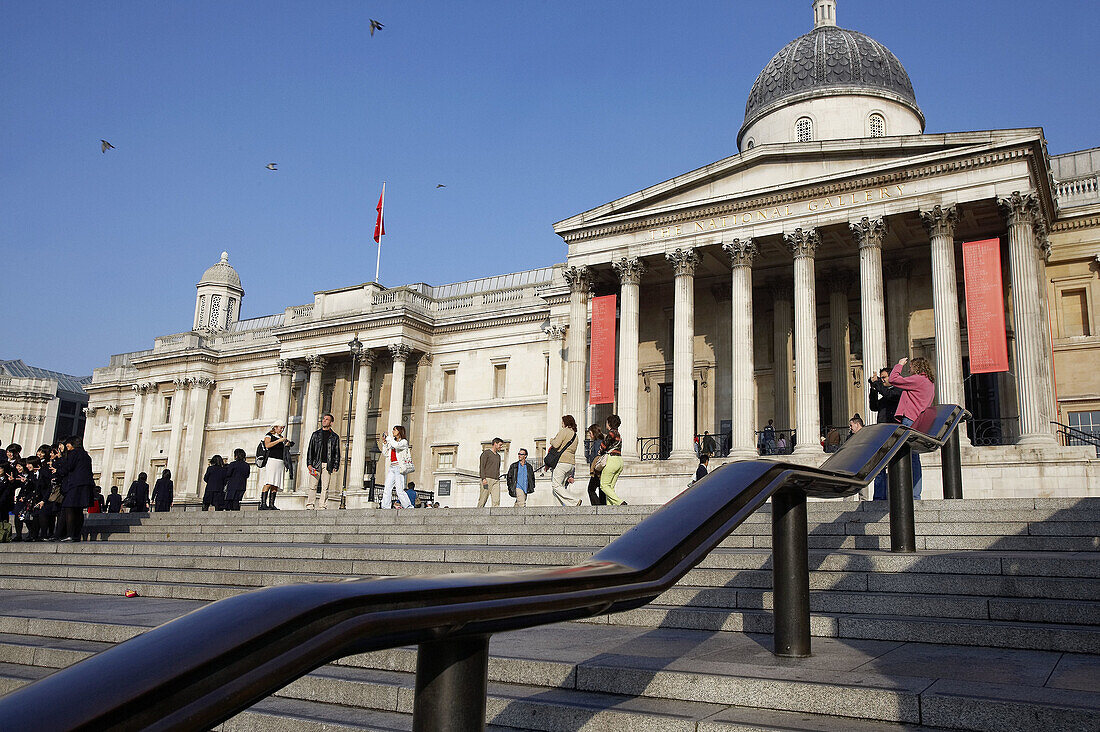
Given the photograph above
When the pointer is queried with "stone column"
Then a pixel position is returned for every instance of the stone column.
(897, 274)
(630, 275)
(280, 410)
(137, 430)
(683, 263)
(175, 437)
(396, 413)
(1021, 213)
(148, 419)
(555, 334)
(781, 361)
(1047, 369)
(803, 244)
(196, 429)
(839, 346)
(940, 223)
(106, 467)
(743, 415)
(576, 396)
(359, 439)
(311, 418)
(870, 234)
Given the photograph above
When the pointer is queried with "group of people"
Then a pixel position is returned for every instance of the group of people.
(46, 493)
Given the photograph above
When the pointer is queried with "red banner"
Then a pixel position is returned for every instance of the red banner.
(985, 306)
(601, 377)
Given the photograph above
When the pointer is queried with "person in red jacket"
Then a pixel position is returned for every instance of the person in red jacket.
(917, 392)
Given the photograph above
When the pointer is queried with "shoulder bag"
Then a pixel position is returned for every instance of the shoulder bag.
(553, 455)
(405, 461)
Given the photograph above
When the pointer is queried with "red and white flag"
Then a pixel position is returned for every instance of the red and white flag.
(380, 224)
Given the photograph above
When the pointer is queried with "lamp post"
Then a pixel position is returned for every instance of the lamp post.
(355, 347)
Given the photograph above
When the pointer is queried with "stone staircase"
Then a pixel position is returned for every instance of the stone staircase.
(993, 624)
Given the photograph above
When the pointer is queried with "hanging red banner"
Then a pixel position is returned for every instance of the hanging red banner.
(601, 376)
(985, 306)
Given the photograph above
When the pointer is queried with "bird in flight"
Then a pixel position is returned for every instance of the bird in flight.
(104, 146)
(441, 186)
(271, 166)
(375, 25)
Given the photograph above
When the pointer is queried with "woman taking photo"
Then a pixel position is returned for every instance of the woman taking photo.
(137, 498)
(917, 391)
(612, 448)
(162, 492)
(395, 448)
(565, 443)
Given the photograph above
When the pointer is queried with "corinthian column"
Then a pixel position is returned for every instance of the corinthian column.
(870, 234)
(743, 430)
(630, 274)
(310, 418)
(580, 282)
(200, 400)
(106, 468)
(137, 421)
(683, 263)
(940, 223)
(555, 333)
(396, 413)
(781, 362)
(1021, 213)
(175, 437)
(803, 244)
(359, 440)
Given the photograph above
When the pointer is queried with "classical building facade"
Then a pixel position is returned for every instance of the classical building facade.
(765, 286)
(39, 406)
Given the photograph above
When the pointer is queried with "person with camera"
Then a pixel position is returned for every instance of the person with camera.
(275, 447)
(323, 460)
(395, 449)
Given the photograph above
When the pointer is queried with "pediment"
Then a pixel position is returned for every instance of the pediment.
(767, 169)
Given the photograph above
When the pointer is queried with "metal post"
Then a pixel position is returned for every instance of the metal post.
(790, 574)
(451, 680)
(951, 465)
(902, 532)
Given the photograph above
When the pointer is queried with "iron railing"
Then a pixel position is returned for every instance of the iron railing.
(1069, 436)
(654, 448)
(201, 669)
(992, 432)
(713, 445)
(778, 442)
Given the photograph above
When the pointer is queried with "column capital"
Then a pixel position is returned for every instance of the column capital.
(683, 261)
(143, 386)
(202, 382)
(425, 359)
(630, 270)
(802, 243)
(1019, 208)
(897, 269)
(940, 221)
(286, 366)
(400, 351)
(839, 280)
(869, 232)
(181, 383)
(1042, 239)
(579, 278)
(367, 357)
(316, 364)
(555, 331)
(741, 252)
(89, 411)
(112, 409)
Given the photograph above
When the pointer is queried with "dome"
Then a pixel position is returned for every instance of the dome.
(222, 273)
(829, 61)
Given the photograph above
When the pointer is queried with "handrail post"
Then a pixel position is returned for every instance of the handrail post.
(790, 574)
(452, 677)
(900, 478)
(951, 466)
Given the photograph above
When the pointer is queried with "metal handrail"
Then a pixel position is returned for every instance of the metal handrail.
(1075, 436)
(201, 669)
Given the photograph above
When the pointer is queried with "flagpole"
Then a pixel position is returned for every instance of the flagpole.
(381, 215)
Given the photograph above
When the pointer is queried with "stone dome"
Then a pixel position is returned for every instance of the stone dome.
(222, 273)
(827, 61)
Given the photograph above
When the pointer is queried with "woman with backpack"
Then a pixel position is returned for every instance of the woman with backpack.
(395, 449)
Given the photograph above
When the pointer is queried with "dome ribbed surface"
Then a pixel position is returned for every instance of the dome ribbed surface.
(221, 273)
(828, 58)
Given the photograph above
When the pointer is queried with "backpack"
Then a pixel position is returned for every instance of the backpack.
(261, 455)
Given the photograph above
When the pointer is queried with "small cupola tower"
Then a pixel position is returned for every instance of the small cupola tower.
(824, 13)
(218, 302)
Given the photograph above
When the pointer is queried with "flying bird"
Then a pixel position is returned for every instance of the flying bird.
(271, 166)
(104, 146)
(441, 186)
(375, 25)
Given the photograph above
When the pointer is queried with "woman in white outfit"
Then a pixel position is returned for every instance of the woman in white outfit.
(395, 450)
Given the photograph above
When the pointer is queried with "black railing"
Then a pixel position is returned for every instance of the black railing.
(201, 669)
(654, 448)
(992, 432)
(775, 442)
(713, 445)
(1070, 436)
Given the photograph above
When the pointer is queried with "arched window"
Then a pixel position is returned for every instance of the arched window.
(804, 129)
(750, 144)
(877, 125)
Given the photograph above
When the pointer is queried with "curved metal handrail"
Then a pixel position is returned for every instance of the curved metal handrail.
(204, 667)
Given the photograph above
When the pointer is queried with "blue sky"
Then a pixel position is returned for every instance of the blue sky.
(528, 112)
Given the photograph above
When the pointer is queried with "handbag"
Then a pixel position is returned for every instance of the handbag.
(553, 455)
(56, 495)
(405, 462)
(599, 463)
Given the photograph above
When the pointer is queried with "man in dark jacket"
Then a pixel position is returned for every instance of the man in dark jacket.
(884, 398)
(114, 501)
(236, 479)
(75, 473)
(521, 479)
(323, 460)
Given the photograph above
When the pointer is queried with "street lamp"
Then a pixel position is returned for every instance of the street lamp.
(355, 347)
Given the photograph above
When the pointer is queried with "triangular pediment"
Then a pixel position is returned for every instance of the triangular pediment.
(770, 168)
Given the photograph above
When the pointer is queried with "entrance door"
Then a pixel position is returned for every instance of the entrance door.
(666, 417)
(983, 400)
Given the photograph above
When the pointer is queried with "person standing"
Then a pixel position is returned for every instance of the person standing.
(710, 447)
(137, 497)
(489, 472)
(75, 472)
(884, 398)
(236, 480)
(114, 501)
(917, 392)
(213, 495)
(767, 438)
(395, 447)
(702, 470)
(612, 447)
(323, 460)
(561, 475)
(593, 438)
(162, 492)
(8, 487)
(272, 475)
(521, 479)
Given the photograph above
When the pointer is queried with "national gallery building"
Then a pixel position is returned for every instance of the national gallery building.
(770, 285)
